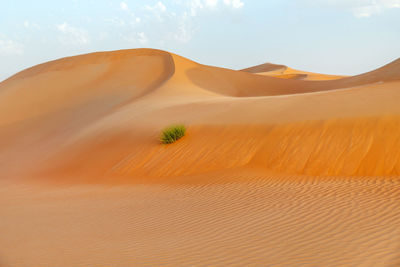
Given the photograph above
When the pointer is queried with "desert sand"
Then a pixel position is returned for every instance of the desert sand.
(279, 167)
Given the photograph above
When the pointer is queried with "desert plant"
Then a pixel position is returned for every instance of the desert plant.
(172, 133)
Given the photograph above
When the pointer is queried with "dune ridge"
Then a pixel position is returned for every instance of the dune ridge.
(266, 67)
(122, 99)
(282, 71)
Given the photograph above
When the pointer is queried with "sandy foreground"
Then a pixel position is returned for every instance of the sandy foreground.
(279, 167)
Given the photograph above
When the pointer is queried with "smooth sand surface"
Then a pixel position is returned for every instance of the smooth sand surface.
(278, 167)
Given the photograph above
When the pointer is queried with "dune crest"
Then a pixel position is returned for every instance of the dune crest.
(100, 114)
(284, 72)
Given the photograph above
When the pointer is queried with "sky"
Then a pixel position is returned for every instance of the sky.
(327, 36)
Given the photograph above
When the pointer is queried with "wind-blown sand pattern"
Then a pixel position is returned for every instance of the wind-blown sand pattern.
(279, 167)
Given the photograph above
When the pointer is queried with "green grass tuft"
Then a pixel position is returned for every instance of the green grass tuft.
(172, 133)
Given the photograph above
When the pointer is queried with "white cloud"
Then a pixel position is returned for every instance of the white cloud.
(185, 29)
(71, 35)
(124, 6)
(158, 7)
(10, 47)
(161, 6)
(211, 3)
(196, 5)
(366, 11)
(137, 38)
(234, 3)
(28, 24)
(176, 23)
(142, 38)
(121, 22)
(360, 8)
(116, 21)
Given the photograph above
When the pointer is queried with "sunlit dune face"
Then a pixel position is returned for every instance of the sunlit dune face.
(107, 118)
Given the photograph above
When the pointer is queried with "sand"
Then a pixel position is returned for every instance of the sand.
(279, 167)
(282, 71)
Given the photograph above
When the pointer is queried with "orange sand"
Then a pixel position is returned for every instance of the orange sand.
(278, 166)
(282, 71)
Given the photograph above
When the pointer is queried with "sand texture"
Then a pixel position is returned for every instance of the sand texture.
(279, 167)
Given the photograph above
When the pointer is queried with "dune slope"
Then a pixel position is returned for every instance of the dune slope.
(276, 168)
(105, 120)
(282, 71)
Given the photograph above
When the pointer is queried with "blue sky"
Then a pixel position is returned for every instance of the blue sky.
(329, 36)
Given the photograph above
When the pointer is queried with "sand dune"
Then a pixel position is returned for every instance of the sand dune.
(282, 71)
(278, 166)
(266, 68)
(65, 127)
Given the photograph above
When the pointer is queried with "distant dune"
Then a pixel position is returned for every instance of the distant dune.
(282, 71)
(279, 166)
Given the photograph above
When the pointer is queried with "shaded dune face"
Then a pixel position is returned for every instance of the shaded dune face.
(99, 115)
(67, 83)
(234, 83)
(282, 71)
(41, 108)
(267, 67)
(292, 76)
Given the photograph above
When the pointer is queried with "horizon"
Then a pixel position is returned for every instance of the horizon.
(351, 37)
